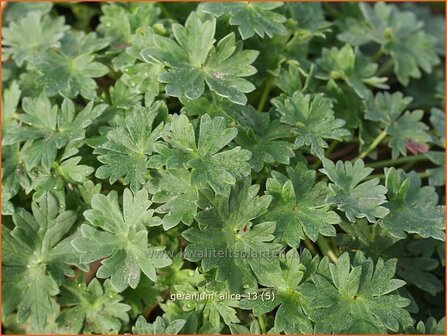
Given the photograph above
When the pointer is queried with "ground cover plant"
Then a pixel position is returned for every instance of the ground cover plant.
(206, 168)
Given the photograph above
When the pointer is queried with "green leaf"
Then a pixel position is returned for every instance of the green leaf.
(70, 70)
(92, 308)
(431, 326)
(194, 60)
(350, 66)
(250, 17)
(10, 102)
(178, 199)
(312, 119)
(418, 272)
(357, 297)
(264, 138)
(74, 172)
(284, 290)
(406, 130)
(399, 35)
(436, 176)
(210, 301)
(355, 198)
(120, 238)
(412, 208)
(228, 240)
(209, 165)
(31, 34)
(159, 327)
(18, 10)
(35, 259)
(310, 18)
(46, 128)
(128, 147)
(119, 23)
(299, 206)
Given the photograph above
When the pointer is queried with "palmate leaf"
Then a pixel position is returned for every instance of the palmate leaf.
(310, 18)
(312, 120)
(413, 208)
(35, 259)
(46, 128)
(92, 308)
(376, 242)
(406, 130)
(159, 327)
(355, 198)
(119, 22)
(194, 60)
(260, 133)
(69, 71)
(357, 297)
(284, 280)
(28, 36)
(264, 137)
(436, 176)
(299, 206)
(128, 146)
(120, 237)
(250, 17)
(210, 166)
(209, 301)
(350, 66)
(228, 240)
(399, 34)
(178, 199)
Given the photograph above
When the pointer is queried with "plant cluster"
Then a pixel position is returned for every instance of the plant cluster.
(205, 168)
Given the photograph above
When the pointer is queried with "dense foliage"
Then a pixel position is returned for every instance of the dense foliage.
(223, 168)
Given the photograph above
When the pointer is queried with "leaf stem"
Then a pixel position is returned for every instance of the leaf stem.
(404, 159)
(377, 55)
(265, 93)
(310, 246)
(330, 149)
(261, 321)
(385, 68)
(422, 175)
(373, 145)
(326, 248)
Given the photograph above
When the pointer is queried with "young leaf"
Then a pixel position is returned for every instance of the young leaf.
(312, 119)
(412, 208)
(350, 66)
(193, 61)
(250, 17)
(120, 238)
(299, 207)
(355, 198)
(128, 146)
